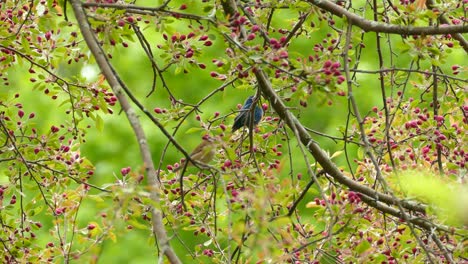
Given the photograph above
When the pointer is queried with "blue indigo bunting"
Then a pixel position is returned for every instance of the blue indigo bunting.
(243, 118)
(203, 153)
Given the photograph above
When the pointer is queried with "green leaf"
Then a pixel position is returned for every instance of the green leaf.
(111, 235)
(193, 130)
(36, 211)
(434, 51)
(207, 9)
(99, 123)
(96, 198)
(360, 153)
(25, 45)
(336, 154)
(435, 62)
(363, 246)
(64, 102)
(138, 224)
(178, 70)
(169, 21)
(255, 57)
(212, 36)
(243, 86)
(207, 243)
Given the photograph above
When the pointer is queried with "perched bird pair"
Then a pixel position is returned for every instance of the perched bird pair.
(206, 150)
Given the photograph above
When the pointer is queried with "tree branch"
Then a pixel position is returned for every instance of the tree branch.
(321, 157)
(424, 224)
(147, 10)
(444, 20)
(112, 79)
(368, 25)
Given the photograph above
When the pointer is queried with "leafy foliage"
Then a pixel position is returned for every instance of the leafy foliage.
(389, 188)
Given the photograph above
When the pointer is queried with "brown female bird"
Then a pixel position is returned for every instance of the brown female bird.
(203, 153)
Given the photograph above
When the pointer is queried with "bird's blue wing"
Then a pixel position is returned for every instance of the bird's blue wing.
(243, 118)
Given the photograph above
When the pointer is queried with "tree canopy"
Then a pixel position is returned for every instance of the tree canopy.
(349, 143)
